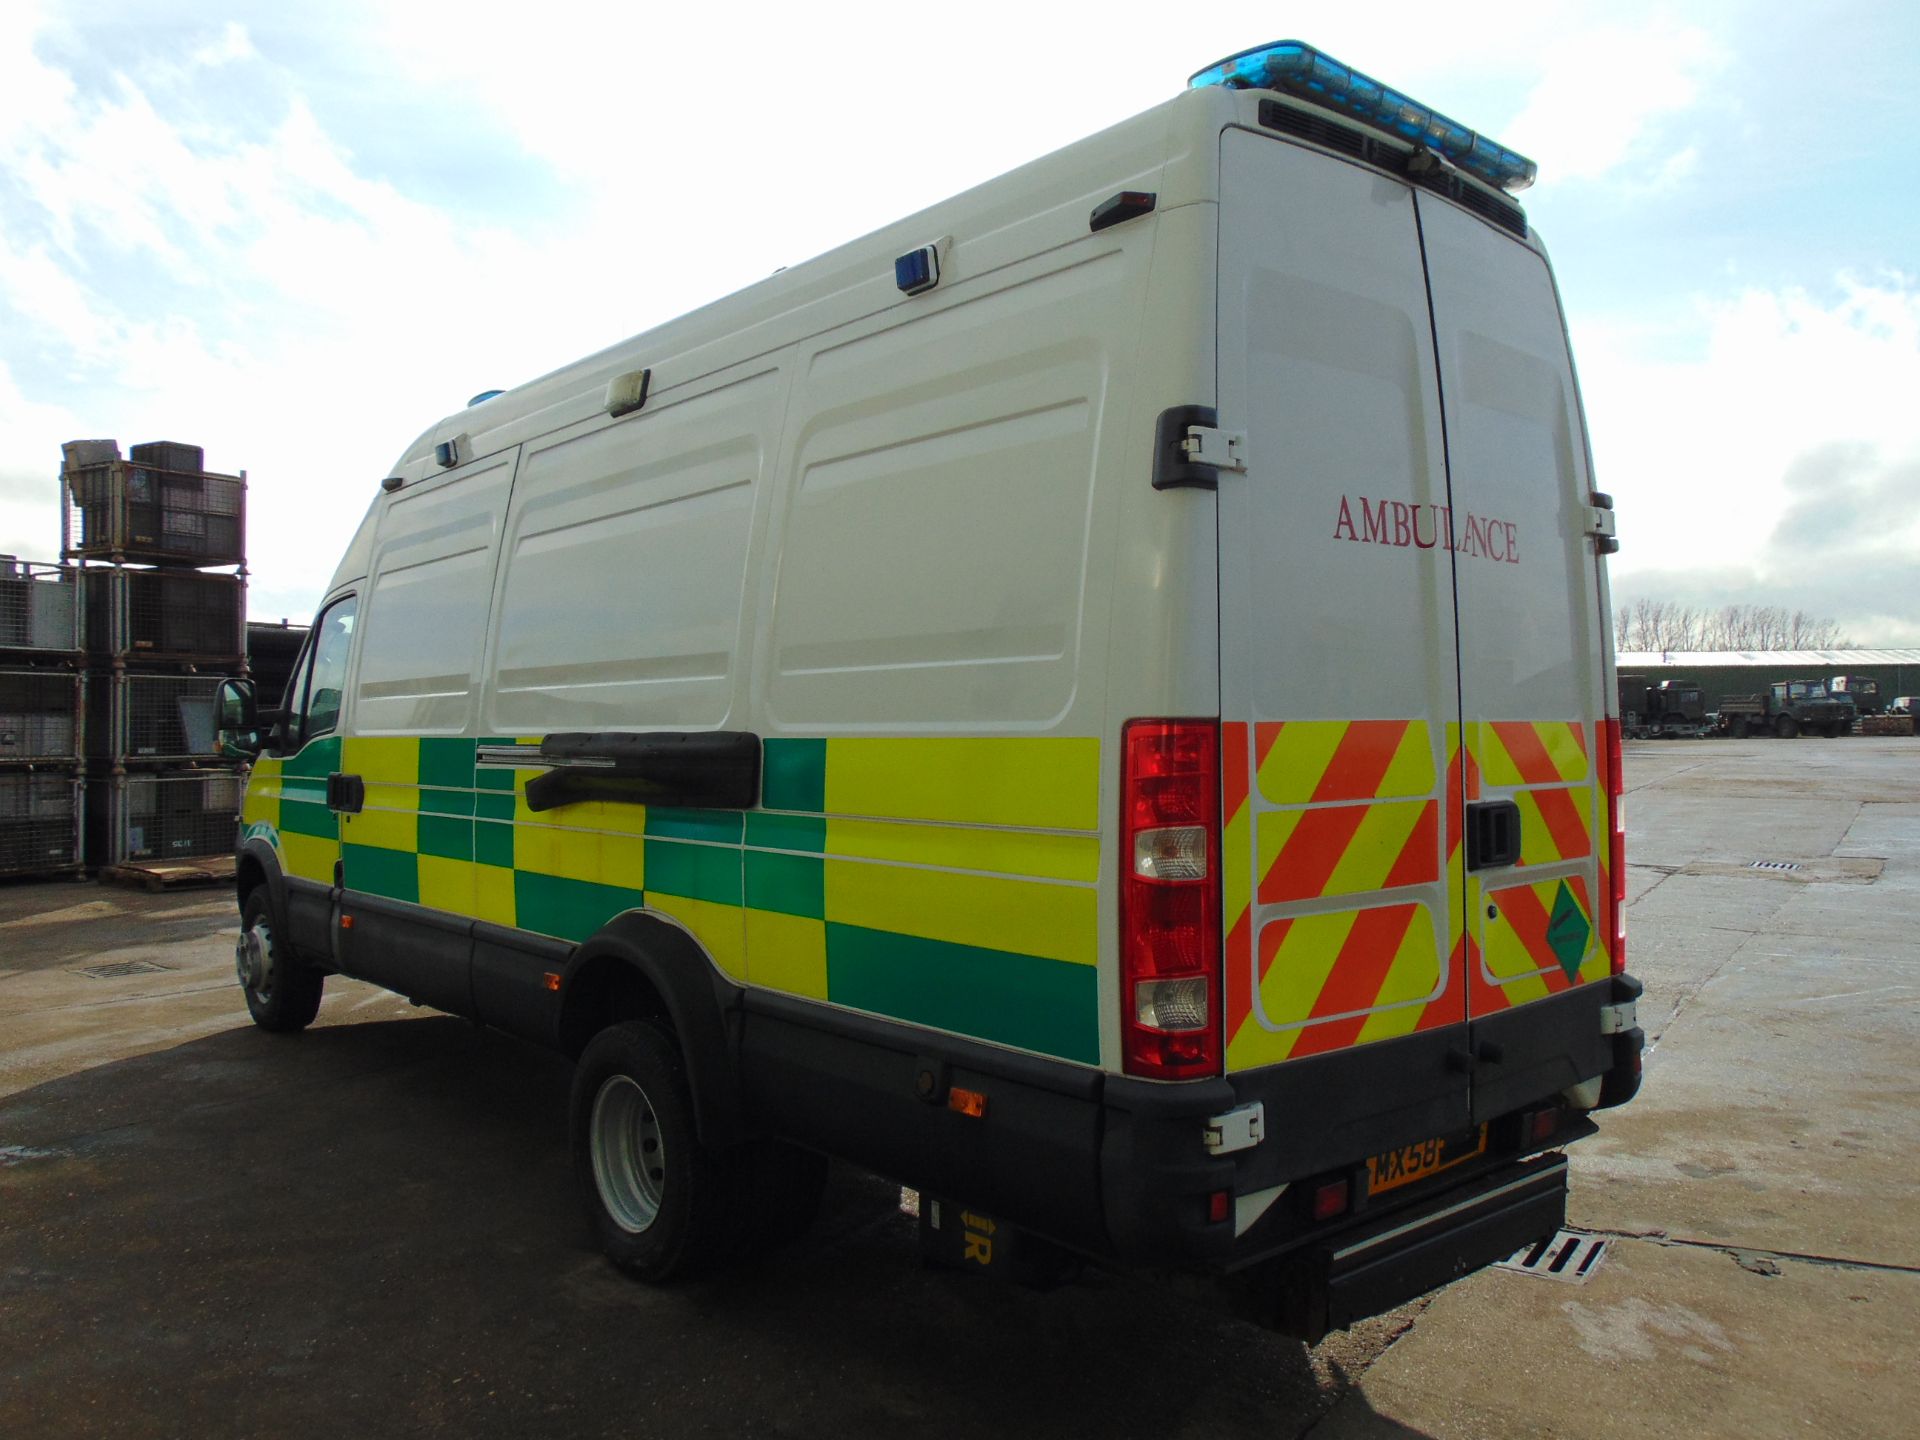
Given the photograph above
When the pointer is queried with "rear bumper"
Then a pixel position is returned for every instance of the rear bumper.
(1118, 1169)
(1397, 1258)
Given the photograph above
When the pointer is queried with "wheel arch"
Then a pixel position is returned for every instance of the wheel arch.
(256, 864)
(642, 966)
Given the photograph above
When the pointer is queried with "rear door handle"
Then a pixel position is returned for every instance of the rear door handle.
(346, 793)
(1493, 834)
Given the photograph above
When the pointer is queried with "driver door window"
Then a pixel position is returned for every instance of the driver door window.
(313, 694)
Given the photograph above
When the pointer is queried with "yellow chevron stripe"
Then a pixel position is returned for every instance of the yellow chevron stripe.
(1302, 965)
(1303, 750)
(1375, 846)
(1299, 758)
(1411, 771)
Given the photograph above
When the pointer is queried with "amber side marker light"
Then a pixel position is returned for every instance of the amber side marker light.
(967, 1102)
(553, 980)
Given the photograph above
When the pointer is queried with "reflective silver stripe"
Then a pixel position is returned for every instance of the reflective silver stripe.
(1424, 1222)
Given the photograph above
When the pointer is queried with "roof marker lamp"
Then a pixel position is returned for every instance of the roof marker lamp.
(1306, 74)
(917, 270)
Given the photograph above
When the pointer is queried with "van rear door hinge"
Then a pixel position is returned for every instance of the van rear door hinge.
(1601, 525)
(1620, 1017)
(1220, 449)
(1240, 1128)
(1190, 452)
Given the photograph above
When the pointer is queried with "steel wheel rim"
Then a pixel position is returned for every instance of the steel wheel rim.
(254, 959)
(629, 1155)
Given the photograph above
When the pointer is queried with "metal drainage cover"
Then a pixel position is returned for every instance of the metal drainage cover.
(1774, 865)
(1569, 1257)
(122, 968)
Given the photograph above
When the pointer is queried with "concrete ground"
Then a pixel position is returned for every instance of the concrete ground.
(371, 1228)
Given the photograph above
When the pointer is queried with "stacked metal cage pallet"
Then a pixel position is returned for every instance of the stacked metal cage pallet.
(42, 719)
(161, 546)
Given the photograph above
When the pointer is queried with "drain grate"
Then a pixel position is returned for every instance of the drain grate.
(1773, 865)
(1569, 1257)
(122, 968)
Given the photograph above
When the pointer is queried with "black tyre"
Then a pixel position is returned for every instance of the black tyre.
(662, 1205)
(283, 992)
(1786, 727)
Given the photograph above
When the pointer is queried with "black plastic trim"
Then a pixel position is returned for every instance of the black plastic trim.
(1422, 167)
(1172, 470)
(421, 953)
(697, 770)
(1116, 209)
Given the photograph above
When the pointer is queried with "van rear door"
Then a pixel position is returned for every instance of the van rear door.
(1342, 880)
(1412, 668)
(1532, 676)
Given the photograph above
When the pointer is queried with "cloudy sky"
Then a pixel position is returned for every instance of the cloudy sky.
(298, 235)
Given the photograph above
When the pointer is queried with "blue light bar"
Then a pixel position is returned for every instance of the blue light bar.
(1302, 71)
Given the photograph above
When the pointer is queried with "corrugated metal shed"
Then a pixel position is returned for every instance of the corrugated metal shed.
(1744, 672)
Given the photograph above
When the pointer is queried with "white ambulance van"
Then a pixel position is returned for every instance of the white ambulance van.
(1091, 702)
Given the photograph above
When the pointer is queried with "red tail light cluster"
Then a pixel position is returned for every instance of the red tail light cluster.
(1170, 899)
(1616, 843)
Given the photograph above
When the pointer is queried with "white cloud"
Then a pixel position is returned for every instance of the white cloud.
(1603, 93)
(1772, 458)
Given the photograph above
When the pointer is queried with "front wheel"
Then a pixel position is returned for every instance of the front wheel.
(662, 1205)
(1786, 727)
(283, 992)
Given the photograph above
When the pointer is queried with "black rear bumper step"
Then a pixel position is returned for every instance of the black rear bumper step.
(1371, 1269)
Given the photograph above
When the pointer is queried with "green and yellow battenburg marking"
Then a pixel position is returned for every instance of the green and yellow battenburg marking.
(946, 881)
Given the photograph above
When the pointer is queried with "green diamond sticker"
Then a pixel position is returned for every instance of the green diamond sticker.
(1567, 931)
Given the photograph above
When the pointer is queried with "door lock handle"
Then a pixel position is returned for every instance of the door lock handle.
(346, 794)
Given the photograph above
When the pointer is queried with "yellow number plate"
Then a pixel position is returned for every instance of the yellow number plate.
(1415, 1162)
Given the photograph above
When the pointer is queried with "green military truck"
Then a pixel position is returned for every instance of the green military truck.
(1787, 708)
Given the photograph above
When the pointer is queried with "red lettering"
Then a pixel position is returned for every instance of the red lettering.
(1375, 523)
(1476, 541)
(1433, 514)
(1513, 549)
(1402, 528)
(1496, 532)
(1446, 523)
(1345, 522)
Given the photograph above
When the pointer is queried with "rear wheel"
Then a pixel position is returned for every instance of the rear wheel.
(283, 992)
(662, 1205)
(1785, 727)
(1737, 728)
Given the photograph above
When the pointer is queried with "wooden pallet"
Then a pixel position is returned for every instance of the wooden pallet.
(158, 875)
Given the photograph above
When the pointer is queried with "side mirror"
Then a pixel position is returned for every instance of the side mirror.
(238, 716)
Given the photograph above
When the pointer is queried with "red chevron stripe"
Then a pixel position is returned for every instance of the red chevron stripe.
(1419, 860)
(1366, 957)
(1264, 735)
(1530, 756)
(1306, 862)
(1561, 811)
(1234, 779)
(1360, 760)
(1239, 962)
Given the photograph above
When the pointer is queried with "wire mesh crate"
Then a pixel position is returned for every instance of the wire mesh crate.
(139, 719)
(172, 615)
(123, 510)
(39, 607)
(39, 823)
(175, 815)
(271, 650)
(40, 713)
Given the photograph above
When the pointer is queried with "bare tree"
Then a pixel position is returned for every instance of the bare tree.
(1647, 624)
